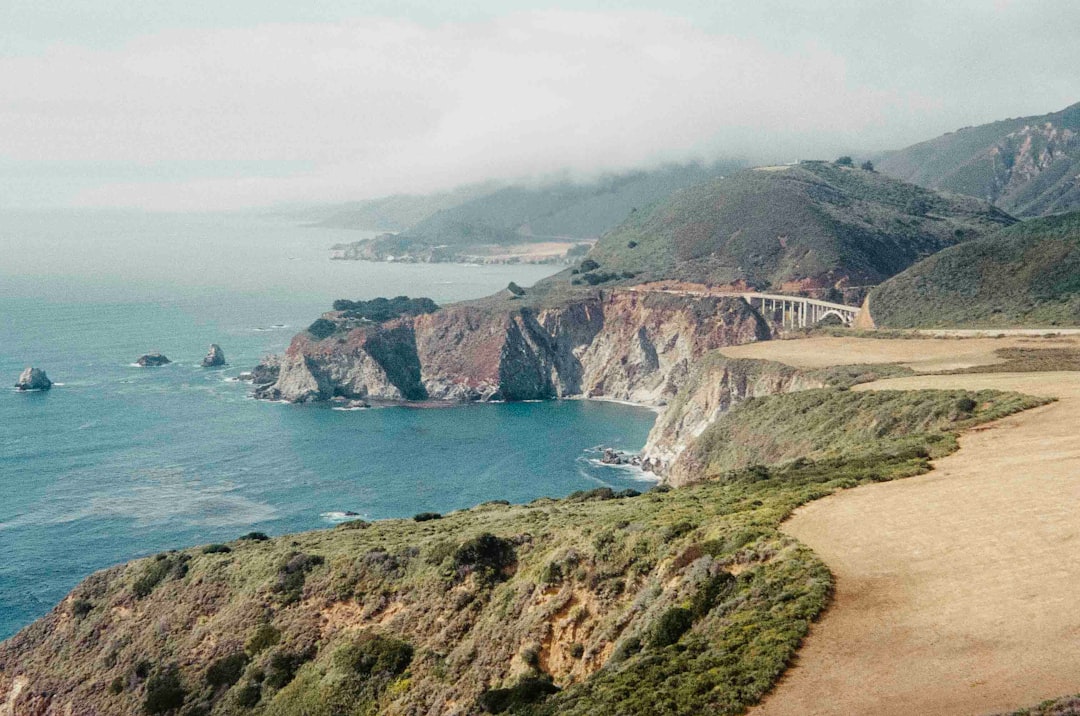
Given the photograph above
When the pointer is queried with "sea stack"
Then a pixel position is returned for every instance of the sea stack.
(33, 379)
(214, 357)
(152, 360)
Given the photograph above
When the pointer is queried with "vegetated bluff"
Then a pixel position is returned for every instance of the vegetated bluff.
(1028, 166)
(1026, 275)
(810, 226)
(681, 601)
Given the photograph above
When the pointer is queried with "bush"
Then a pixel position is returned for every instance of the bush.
(116, 686)
(577, 650)
(588, 265)
(426, 516)
(670, 627)
(529, 690)
(485, 553)
(966, 405)
(626, 649)
(282, 668)
(599, 493)
(81, 607)
(322, 328)
(265, 636)
(164, 692)
(255, 537)
(292, 575)
(867, 166)
(384, 309)
(376, 655)
(249, 695)
(631, 244)
(515, 289)
(162, 566)
(227, 670)
(844, 161)
(714, 591)
(216, 549)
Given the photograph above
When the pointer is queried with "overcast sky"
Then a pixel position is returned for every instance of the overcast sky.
(205, 104)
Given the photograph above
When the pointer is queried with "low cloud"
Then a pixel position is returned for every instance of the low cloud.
(378, 106)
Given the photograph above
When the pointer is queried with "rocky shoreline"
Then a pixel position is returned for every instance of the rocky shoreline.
(643, 348)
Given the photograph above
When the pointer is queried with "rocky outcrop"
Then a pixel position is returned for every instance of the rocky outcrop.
(716, 385)
(152, 360)
(625, 345)
(33, 379)
(215, 357)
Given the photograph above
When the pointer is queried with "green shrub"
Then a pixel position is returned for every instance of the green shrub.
(375, 655)
(626, 648)
(426, 516)
(255, 537)
(577, 650)
(384, 309)
(155, 572)
(282, 667)
(216, 549)
(249, 695)
(487, 554)
(966, 405)
(116, 686)
(264, 637)
(588, 265)
(529, 690)
(81, 607)
(227, 670)
(292, 575)
(715, 590)
(670, 627)
(164, 692)
(322, 328)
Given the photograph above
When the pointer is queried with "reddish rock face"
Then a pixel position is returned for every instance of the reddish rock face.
(626, 345)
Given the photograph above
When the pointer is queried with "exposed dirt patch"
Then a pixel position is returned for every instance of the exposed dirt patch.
(925, 355)
(955, 590)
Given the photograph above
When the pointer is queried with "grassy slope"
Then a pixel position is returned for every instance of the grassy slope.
(564, 209)
(398, 616)
(978, 161)
(1028, 275)
(813, 221)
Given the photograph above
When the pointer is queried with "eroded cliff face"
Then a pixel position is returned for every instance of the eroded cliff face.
(715, 386)
(620, 345)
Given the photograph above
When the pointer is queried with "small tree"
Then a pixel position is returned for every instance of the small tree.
(867, 166)
(845, 161)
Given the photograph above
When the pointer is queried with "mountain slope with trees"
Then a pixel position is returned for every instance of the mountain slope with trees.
(1029, 166)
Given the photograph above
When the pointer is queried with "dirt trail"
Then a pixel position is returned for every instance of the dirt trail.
(956, 590)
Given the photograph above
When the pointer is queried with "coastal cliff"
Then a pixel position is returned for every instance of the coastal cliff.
(620, 345)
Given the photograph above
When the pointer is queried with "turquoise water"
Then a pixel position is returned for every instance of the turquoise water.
(118, 462)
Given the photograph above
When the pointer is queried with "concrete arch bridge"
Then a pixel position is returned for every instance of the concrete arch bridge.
(798, 311)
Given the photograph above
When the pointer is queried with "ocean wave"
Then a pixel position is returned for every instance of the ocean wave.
(347, 516)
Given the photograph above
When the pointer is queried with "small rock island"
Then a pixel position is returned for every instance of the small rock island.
(152, 360)
(214, 357)
(33, 379)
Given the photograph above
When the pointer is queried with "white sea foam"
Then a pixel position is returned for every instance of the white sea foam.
(337, 517)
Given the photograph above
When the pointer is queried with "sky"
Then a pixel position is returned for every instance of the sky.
(206, 105)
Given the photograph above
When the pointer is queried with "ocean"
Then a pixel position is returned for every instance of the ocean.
(118, 462)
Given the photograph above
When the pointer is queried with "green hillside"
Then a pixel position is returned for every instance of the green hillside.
(562, 210)
(810, 225)
(1028, 165)
(1028, 275)
(392, 213)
